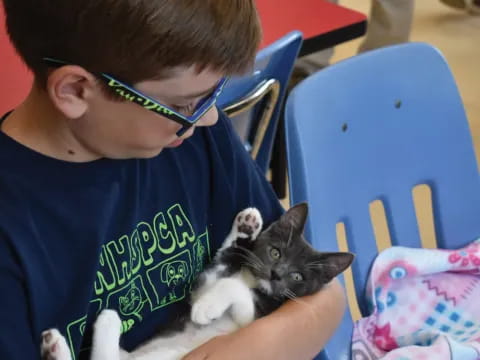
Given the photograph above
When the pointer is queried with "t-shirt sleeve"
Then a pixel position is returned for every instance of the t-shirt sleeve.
(244, 184)
(16, 338)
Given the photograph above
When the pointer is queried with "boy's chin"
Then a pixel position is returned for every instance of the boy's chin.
(150, 154)
(143, 154)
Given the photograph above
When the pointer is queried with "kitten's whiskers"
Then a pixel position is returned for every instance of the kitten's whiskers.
(253, 261)
(290, 237)
(253, 256)
(314, 265)
(292, 296)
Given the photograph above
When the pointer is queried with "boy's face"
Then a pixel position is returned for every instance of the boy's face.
(120, 130)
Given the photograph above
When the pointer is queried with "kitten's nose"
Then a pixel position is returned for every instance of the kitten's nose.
(274, 276)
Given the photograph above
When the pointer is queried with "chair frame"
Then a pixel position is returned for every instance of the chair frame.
(268, 90)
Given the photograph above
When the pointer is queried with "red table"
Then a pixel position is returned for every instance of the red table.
(322, 23)
(15, 79)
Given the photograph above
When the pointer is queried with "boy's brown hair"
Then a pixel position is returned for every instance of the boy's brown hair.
(135, 40)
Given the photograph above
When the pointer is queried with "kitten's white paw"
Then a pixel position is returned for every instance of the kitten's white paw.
(54, 346)
(108, 328)
(243, 313)
(208, 308)
(248, 223)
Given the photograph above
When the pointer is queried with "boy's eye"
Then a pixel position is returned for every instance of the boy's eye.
(184, 109)
(296, 276)
(275, 253)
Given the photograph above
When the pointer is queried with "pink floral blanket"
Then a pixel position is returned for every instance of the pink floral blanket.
(425, 305)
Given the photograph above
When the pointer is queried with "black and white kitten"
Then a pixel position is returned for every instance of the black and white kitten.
(252, 274)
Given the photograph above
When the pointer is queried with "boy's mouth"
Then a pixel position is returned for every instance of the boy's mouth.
(176, 143)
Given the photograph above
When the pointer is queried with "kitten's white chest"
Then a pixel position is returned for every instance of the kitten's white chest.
(229, 296)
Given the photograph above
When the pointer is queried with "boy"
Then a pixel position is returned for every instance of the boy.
(109, 198)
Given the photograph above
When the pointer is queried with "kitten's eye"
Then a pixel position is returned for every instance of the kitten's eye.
(275, 253)
(296, 276)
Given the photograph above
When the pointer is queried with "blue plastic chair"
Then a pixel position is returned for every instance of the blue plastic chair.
(254, 101)
(372, 128)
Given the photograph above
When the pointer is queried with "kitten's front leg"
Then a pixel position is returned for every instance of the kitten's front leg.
(247, 225)
(54, 346)
(227, 294)
(106, 336)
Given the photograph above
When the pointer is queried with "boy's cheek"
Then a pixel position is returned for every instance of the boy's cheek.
(210, 118)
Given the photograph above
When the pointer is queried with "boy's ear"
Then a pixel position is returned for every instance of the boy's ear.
(69, 88)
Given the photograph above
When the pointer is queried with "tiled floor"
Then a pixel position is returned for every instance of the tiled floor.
(456, 34)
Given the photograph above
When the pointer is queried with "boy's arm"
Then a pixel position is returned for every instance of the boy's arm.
(297, 330)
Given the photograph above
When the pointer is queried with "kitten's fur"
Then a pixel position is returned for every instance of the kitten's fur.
(251, 276)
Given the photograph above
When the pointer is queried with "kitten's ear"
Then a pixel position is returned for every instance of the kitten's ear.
(333, 263)
(296, 216)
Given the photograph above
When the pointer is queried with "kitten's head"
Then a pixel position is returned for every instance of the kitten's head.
(286, 265)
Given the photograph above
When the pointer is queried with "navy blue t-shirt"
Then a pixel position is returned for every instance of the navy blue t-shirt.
(130, 235)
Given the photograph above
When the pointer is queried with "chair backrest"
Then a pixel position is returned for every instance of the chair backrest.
(372, 128)
(260, 95)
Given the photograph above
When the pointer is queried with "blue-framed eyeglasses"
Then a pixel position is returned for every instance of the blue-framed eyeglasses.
(129, 93)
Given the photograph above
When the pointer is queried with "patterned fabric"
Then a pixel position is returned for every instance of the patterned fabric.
(424, 305)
